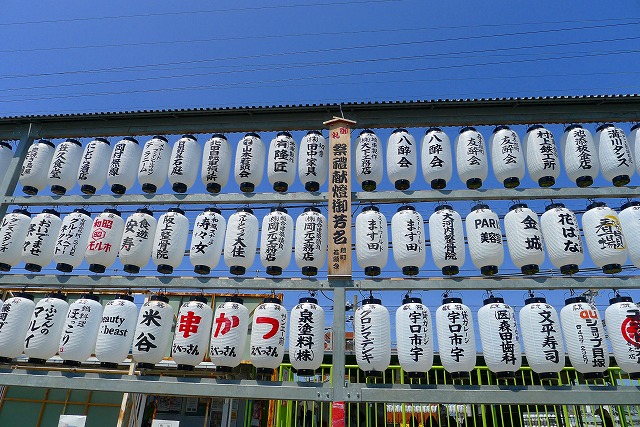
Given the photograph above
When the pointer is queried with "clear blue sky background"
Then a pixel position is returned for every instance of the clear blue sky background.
(78, 57)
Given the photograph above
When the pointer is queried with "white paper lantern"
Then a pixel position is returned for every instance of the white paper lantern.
(281, 167)
(414, 336)
(34, 175)
(603, 236)
(634, 142)
(116, 331)
(154, 164)
(524, 238)
(311, 238)
(39, 244)
(542, 338)
(268, 332)
(104, 241)
(229, 334)
(369, 165)
(72, 240)
(137, 240)
(14, 324)
(153, 332)
(170, 240)
(6, 154)
(94, 164)
(191, 336)
(372, 337)
(579, 155)
(276, 241)
(446, 233)
(584, 334)
(623, 320)
(542, 156)
(402, 159)
(499, 337)
(484, 237)
(241, 241)
(456, 337)
(407, 235)
(63, 170)
(123, 165)
(372, 241)
(13, 232)
(249, 167)
(471, 158)
(207, 240)
(437, 160)
(630, 221)
(306, 336)
(80, 330)
(313, 160)
(506, 156)
(614, 154)
(183, 163)
(45, 328)
(562, 238)
(216, 163)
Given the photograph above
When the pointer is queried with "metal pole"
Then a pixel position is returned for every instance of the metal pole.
(8, 184)
(339, 321)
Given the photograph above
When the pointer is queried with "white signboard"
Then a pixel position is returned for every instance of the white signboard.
(165, 423)
(72, 420)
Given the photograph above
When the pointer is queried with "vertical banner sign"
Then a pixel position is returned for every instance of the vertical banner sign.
(339, 196)
(337, 414)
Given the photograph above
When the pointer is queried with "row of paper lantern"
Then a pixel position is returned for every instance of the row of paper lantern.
(76, 331)
(46, 237)
(60, 167)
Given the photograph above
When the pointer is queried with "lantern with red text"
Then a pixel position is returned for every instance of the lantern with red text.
(153, 332)
(92, 172)
(311, 241)
(123, 165)
(623, 324)
(281, 166)
(369, 164)
(276, 241)
(614, 155)
(579, 155)
(45, 328)
(471, 158)
(524, 238)
(630, 222)
(34, 175)
(183, 163)
(170, 240)
(437, 160)
(562, 238)
(499, 337)
(104, 241)
(484, 237)
(372, 337)
(116, 331)
(207, 240)
(249, 166)
(137, 240)
(72, 240)
(603, 236)
(372, 241)
(506, 156)
(313, 160)
(241, 241)
(216, 163)
(80, 330)
(229, 334)
(40, 242)
(191, 336)
(447, 240)
(306, 336)
(542, 156)
(13, 232)
(63, 170)
(414, 337)
(402, 159)
(154, 164)
(14, 325)
(407, 234)
(456, 338)
(268, 332)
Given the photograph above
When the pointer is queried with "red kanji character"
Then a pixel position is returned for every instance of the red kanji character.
(224, 324)
(275, 324)
(189, 324)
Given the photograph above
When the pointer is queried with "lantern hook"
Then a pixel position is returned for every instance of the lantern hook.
(312, 294)
(571, 292)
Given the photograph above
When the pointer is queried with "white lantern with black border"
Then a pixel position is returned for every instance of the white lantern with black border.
(542, 156)
(276, 241)
(40, 242)
(437, 160)
(630, 221)
(63, 170)
(456, 338)
(45, 328)
(369, 164)
(241, 241)
(80, 330)
(13, 232)
(414, 337)
(92, 172)
(229, 334)
(506, 156)
(372, 337)
(153, 332)
(191, 336)
(34, 175)
(216, 163)
(614, 154)
(207, 240)
(123, 165)
(584, 334)
(268, 333)
(446, 233)
(623, 320)
(116, 331)
(313, 160)
(311, 237)
(137, 240)
(281, 166)
(372, 241)
(183, 163)
(72, 240)
(603, 236)
(561, 236)
(407, 235)
(14, 324)
(499, 337)
(249, 166)
(402, 159)
(471, 158)
(579, 155)
(170, 240)
(154, 164)
(104, 240)
(542, 338)
(306, 336)
(484, 237)
(634, 142)
(6, 154)
(524, 238)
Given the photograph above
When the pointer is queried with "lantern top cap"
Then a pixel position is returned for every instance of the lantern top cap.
(596, 205)
(234, 298)
(620, 298)
(399, 130)
(312, 209)
(479, 206)
(22, 211)
(160, 137)
(145, 211)
(370, 208)
(73, 141)
(273, 300)
(113, 211)
(372, 301)
(254, 134)
(467, 128)
(52, 212)
(159, 297)
(25, 295)
(452, 300)
(554, 206)
(176, 210)
(92, 297)
(310, 300)
(604, 126)
(406, 208)
(433, 129)
(189, 136)
(493, 300)
(314, 132)
(199, 298)
(57, 295)
(575, 299)
(534, 127)
(442, 207)
(278, 209)
(572, 127)
(105, 140)
(366, 131)
(247, 210)
(534, 300)
(517, 206)
(219, 135)
(629, 205)
(500, 127)
(5, 144)
(82, 211)
(634, 127)
(124, 297)
(284, 133)
(214, 210)
(130, 138)
(339, 120)
(46, 142)
(409, 300)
